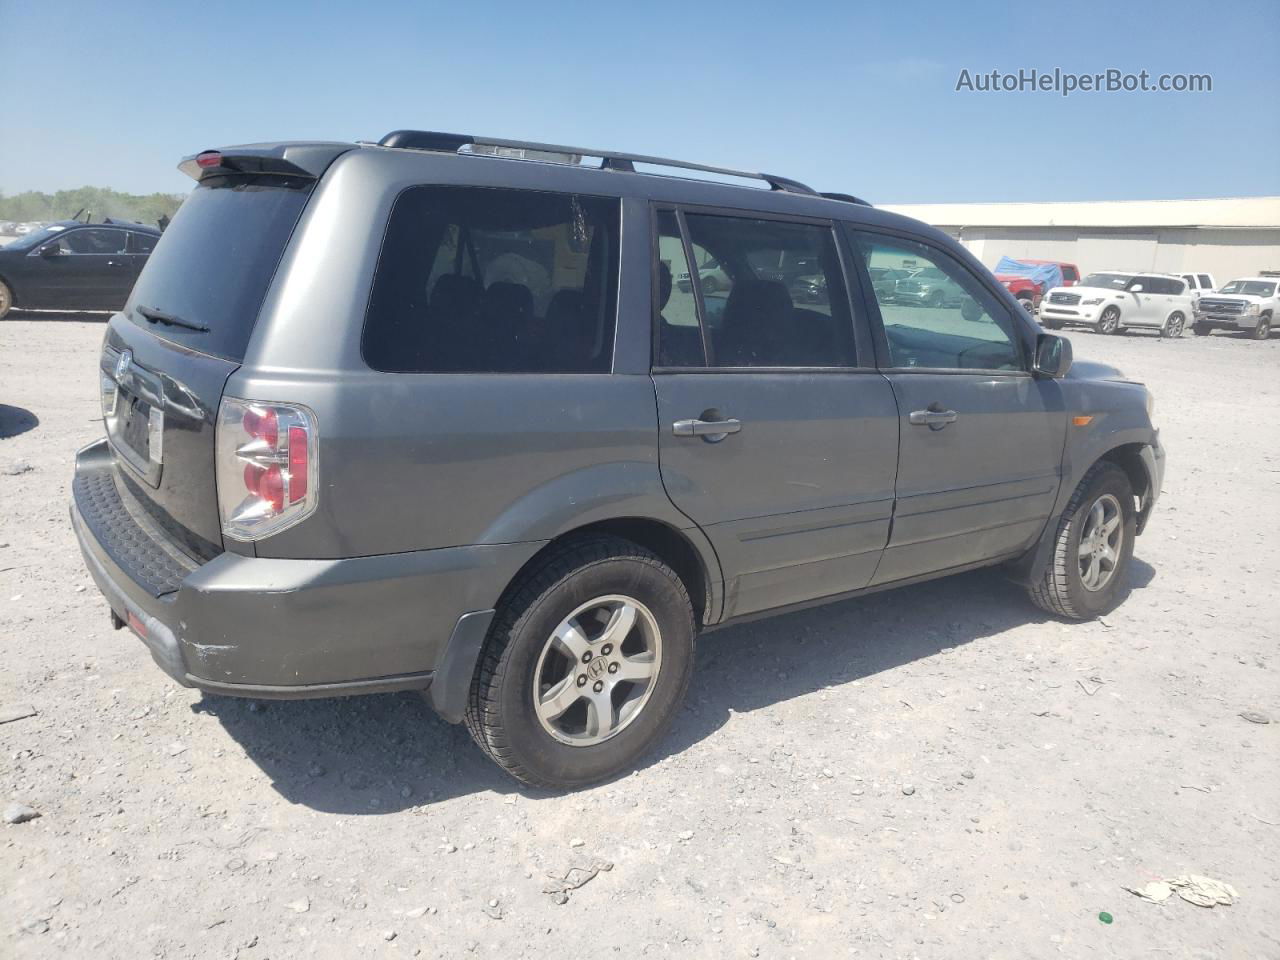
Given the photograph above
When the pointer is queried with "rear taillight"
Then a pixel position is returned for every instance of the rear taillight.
(266, 467)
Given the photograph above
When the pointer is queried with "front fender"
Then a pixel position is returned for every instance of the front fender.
(1118, 428)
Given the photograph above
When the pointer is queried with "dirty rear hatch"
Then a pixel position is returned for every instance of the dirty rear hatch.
(166, 358)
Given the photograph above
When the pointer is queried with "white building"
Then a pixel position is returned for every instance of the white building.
(1232, 237)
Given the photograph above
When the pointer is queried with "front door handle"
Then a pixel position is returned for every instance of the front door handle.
(934, 418)
(707, 429)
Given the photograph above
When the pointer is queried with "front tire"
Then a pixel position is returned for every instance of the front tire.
(585, 665)
(6, 299)
(1201, 330)
(1173, 326)
(1093, 547)
(1109, 322)
(1263, 330)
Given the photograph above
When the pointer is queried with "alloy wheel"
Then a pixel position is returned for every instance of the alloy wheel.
(1100, 543)
(597, 670)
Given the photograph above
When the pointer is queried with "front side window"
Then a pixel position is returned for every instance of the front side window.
(479, 280)
(1205, 282)
(88, 242)
(939, 315)
(772, 294)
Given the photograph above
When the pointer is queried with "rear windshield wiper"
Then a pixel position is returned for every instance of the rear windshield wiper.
(159, 316)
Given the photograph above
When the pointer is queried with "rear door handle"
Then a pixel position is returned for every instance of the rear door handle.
(933, 418)
(708, 429)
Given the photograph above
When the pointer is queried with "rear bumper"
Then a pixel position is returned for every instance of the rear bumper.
(275, 628)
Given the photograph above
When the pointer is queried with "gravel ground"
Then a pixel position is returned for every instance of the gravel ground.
(939, 771)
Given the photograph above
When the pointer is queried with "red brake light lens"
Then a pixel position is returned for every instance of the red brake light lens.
(210, 158)
(265, 467)
(299, 463)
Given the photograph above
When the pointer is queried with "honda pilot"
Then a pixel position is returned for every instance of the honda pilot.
(431, 414)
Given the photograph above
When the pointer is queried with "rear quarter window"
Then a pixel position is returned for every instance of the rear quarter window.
(485, 280)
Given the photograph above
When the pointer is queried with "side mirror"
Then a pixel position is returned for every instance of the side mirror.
(1136, 288)
(51, 250)
(1053, 356)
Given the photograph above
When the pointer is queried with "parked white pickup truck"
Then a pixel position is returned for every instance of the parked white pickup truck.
(1248, 305)
(1199, 284)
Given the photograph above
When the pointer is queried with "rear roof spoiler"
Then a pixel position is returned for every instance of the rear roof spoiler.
(271, 159)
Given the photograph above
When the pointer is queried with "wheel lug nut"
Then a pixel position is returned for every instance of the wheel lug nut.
(582, 679)
(599, 685)
(613, 668)
(586, 657)
(606, 649)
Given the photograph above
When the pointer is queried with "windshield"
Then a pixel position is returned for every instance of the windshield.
(1249, 288)
(34, 239)
(1108, 281)
(212, 266)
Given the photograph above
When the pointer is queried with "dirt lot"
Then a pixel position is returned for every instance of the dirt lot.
(940, 771)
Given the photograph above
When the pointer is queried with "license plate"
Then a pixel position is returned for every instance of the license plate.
(136, 432)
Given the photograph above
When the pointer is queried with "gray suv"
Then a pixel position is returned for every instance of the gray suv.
(430, 414)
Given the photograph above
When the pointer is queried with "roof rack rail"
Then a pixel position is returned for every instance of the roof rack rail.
(610, 159)
(846, 198)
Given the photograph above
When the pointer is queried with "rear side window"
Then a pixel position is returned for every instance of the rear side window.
(771, 294)
(481, 280)
(141, 243)
(1205, 282)
(1069, 273)
(213, 264)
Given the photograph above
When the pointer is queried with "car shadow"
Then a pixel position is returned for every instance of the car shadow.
(390, 752)
(15, 421)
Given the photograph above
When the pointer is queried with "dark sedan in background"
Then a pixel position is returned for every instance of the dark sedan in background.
(74, 266)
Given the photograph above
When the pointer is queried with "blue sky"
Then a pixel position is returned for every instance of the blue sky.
(843, 96)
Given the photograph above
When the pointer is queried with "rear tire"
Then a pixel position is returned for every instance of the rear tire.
(1080, 583)
(6, 299)
(1109, 322)
(1263, 330)
(515, 713)
(1027, 305)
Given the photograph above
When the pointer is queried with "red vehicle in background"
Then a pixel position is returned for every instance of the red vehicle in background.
(1029, 279)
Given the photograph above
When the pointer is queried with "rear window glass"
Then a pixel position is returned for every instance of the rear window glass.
(475, 280)
(215, 260)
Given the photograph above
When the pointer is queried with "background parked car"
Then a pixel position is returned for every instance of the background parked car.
(1249, 304)
(1199, 283)
(929, 287)
(1114, 300)
(1028, 279)
(74, 266)
(884, 279)
(711, 277)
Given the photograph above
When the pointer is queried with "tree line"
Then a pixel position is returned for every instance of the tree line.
(101, 202)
